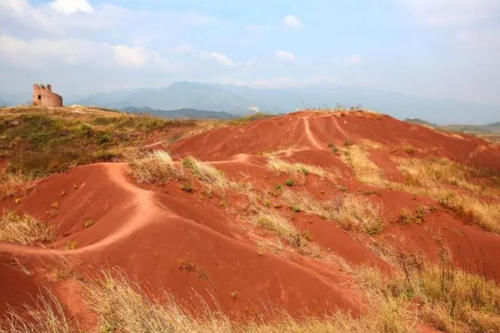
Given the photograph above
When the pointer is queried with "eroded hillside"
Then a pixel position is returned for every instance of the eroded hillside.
(312, 221)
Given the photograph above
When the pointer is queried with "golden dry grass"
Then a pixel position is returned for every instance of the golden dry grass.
(280, 166)
(155, 167)
(121, 306)
(448, 182)
(207, 174)
(47, 316)
(15, 184)
(449, 300)
(353, 212)
(363, 168)
(24, 229)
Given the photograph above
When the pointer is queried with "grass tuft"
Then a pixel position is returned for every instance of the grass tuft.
(155, 167)
(24, 229)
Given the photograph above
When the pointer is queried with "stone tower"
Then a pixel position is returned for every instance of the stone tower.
(43, 96)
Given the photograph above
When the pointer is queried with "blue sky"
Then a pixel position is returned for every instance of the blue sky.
(433, 48)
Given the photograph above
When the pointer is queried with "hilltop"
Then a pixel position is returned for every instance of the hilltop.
(238, 100)
(314, 221)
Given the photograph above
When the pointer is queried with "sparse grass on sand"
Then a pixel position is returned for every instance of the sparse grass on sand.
(207, 174)
(364, 169)
(353, 212)
(47, 316)
(122, 306)
(24, 229)
(15, 184)
(155, 167)
(440, 296)
(448, 182)
(279, 225)
(280, 166)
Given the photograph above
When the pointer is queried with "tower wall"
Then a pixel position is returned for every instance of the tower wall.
(43, 96)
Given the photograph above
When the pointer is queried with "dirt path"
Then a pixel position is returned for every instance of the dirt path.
(337, 126)
(309, 134)
(146, 210)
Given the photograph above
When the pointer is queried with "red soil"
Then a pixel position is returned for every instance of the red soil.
(194, 246)
(308, 129)
(17, 288)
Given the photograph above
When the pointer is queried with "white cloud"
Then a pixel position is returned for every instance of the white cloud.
(354, 59)
(49, 52)
(72, 6)
(183, 48)
(285, 56)
(220, 58)
(453, 12)
(292, 22)
(128, 56)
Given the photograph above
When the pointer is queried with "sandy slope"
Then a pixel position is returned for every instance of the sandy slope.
(149, 232)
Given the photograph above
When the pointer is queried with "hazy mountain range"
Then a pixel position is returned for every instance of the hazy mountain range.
(181, 113)
(242, 100)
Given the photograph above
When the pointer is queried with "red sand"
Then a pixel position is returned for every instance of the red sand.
(189, 246)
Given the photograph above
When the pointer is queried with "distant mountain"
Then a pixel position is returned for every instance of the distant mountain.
(181, 113)
(419, 121)
(238, 100)
(489, 128)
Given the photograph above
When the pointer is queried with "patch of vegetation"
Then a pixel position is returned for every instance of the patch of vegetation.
(71, 245)
(352, 212)
(39, 142)
(409, 149)
(155, 167)
(15, 184)
(247, 119)
(280, 166)
(450, 299)
(209, 175)
(289, 182)
(418, 217)
(334, 149)
(363, 168)
(88, 223)
(467, 199)
(281, 227)
(46, 316)
(122, 306)
(25, 229)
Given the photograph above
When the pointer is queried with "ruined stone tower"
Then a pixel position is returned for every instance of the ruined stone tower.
(43, 96)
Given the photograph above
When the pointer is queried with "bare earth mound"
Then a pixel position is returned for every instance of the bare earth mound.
(278, 215)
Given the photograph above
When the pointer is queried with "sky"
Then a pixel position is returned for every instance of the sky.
(431, 48)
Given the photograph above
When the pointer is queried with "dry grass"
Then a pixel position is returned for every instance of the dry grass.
(450, 300)
(364, 169)
(207, 174)
(155, 167)
(24, 229)
(122, 306)
(15, 184)
(280, 226)
(357, 213)
(447, 182)
(46, 317)
(280, 166)
(351, 211)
